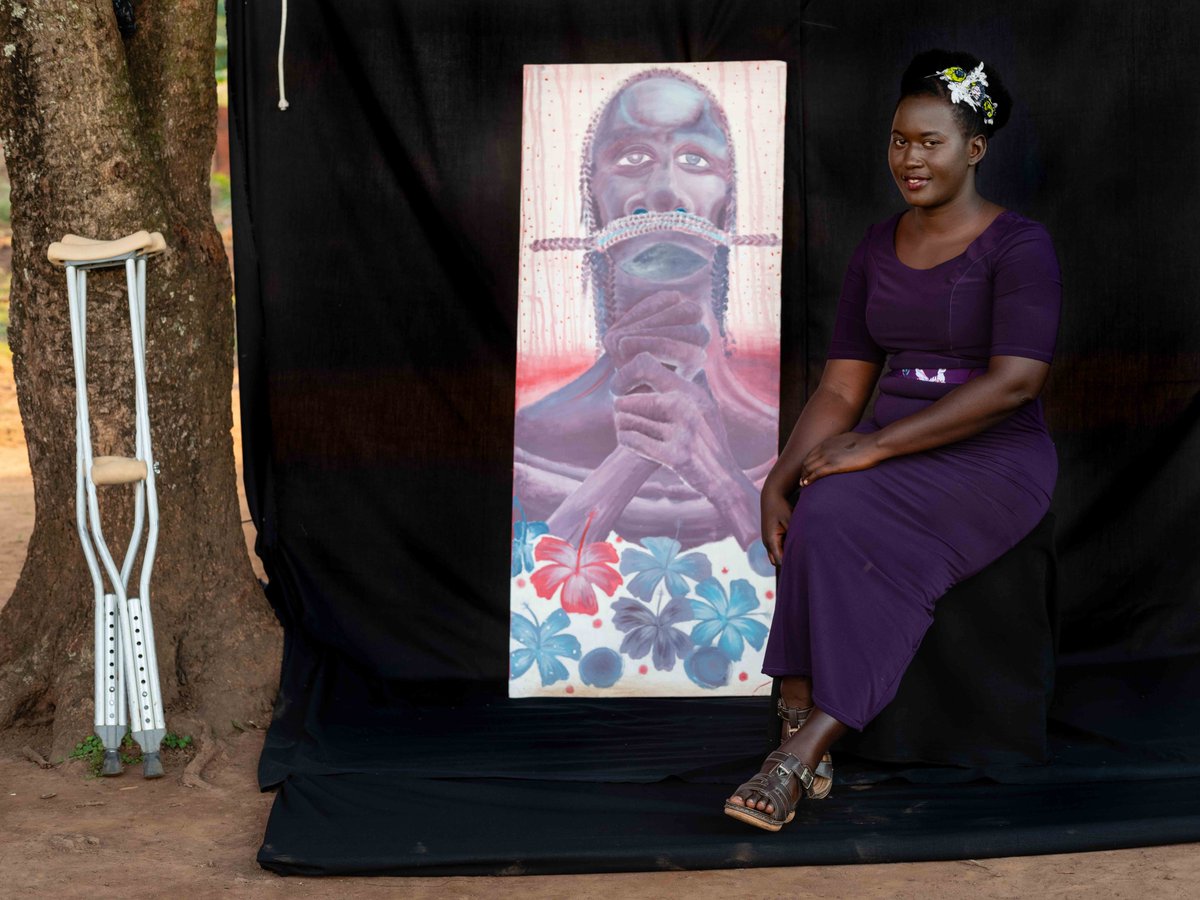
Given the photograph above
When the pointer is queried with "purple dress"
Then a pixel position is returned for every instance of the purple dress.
(868, 553)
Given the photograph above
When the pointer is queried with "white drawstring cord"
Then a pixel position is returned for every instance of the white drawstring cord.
(283, 104)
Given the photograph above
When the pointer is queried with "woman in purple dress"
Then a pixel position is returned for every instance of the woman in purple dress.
(960, 298)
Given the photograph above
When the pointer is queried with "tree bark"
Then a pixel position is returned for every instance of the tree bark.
(105, 136)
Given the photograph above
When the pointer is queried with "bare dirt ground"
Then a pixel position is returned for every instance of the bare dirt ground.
(64, 834)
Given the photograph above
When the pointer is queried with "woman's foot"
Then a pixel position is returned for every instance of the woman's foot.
(751, 798)
(808, 745)
(768, 800)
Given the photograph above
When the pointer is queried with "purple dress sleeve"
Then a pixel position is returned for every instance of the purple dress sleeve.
(851, 339)
(1027, 296)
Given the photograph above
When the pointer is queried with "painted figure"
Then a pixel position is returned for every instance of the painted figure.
(659, 435)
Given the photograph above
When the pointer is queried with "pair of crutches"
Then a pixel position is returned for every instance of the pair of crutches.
(126, 687)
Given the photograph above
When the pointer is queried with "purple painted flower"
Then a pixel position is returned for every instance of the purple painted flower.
(647, 631)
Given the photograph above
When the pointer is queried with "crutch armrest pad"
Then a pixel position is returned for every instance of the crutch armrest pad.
(117, 470)
(63, 252)
(157, 242)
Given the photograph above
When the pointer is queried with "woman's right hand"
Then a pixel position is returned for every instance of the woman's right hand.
(776, 513)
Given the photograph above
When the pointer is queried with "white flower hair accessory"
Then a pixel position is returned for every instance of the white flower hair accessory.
(968, 87)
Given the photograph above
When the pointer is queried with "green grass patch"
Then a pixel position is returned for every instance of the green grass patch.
(91, 750)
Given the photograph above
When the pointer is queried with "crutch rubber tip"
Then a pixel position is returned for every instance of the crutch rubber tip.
(152, 765)
(111, 764)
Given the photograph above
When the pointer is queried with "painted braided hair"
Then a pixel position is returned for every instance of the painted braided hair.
(598, 267)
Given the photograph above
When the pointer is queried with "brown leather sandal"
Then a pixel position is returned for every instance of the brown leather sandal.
(774, 785)
(794, 718)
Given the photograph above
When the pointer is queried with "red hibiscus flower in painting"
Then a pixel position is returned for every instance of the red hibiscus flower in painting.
(577, 570)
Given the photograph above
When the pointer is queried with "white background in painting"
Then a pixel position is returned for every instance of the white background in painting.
(634, 682)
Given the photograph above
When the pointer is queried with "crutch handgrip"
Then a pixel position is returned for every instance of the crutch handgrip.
(118, 470)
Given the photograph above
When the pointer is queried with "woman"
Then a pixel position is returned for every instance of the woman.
(961, 297)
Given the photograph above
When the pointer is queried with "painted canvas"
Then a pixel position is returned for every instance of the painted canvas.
(647, 378)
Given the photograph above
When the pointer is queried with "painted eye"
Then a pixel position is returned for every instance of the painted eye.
(695, 160)
(633, 158)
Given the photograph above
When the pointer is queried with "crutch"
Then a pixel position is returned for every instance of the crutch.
(126, 670)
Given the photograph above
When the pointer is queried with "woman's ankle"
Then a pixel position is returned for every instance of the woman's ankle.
(796, 692)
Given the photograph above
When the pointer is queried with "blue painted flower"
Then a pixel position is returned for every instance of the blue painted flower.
(727, 619)
(647, 631)
(663, 561)
(524, 536)
(542, 645)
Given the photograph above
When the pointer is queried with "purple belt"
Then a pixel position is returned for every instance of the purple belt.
(940, 376)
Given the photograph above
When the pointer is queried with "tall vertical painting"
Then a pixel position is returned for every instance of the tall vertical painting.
(647, 378)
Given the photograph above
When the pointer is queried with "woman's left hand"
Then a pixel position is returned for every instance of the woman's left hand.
(848, 452)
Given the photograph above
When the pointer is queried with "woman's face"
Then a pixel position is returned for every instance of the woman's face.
(930, 159)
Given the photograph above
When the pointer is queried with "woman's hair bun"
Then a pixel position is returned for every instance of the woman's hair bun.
(916, 82)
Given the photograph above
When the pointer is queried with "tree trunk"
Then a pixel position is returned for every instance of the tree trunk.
(105, 136)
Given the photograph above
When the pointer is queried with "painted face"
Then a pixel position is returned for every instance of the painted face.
(928, 153)
(659, 148)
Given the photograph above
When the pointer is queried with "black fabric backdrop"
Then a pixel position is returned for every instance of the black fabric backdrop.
(376, 250)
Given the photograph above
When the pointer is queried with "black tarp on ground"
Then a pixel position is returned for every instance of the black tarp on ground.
(376, 260)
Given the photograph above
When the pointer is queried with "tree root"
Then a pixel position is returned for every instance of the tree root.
(33, 756)
(208, 749)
